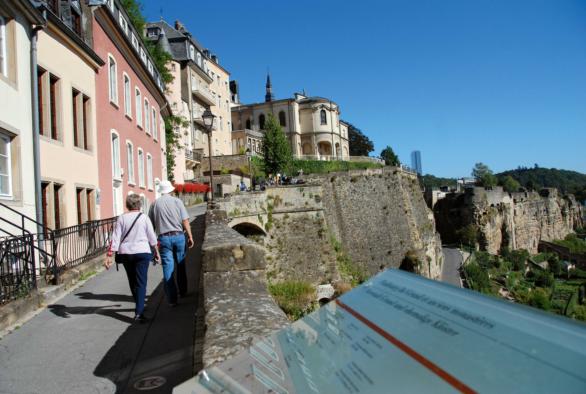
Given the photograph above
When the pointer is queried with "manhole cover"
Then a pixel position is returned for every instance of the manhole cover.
(150, 383)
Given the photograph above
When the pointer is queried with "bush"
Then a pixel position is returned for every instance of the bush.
(543, 279)
(518, 258)
(324, 167)
(572, 242)
(477, 277)
(540, 299)
(468, 235)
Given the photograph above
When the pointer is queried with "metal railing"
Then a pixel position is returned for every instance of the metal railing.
(193, 155)
(368, 159)
(78, 244)
(26, 257)
(18, 274)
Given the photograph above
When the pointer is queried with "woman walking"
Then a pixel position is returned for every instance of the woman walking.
(134, 241)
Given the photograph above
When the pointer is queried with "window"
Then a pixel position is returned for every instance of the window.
(150, 171)
(130, 162)
(261, 121)
(322, 117)
(123, 23)
(147, 118)
(199, 59)
(221, 124)
(116, 173)
(52, 197)
(282, 120)
(127, 100)
(80, 104)
(112, 72)
(143, 55)
(192, 52)
(3, 48)
(135, 42)
(154, 122)
(248, 126)
(53, 104)
(138, 101)
(140, 168)
(5, 167)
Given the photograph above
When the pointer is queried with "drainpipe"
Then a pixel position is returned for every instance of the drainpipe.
(36, 128)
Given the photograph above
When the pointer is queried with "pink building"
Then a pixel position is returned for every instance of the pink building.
(130, 104)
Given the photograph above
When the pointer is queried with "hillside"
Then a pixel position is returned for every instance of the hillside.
(535, 178)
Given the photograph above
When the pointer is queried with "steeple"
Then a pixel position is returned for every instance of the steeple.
(269, 88)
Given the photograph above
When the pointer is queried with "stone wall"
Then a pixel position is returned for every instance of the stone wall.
(238, 307)
(514, 220)
(380, 217)
(232, 163)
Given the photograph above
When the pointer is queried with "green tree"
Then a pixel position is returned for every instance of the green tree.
(360, 144)
(484, 176)
(468, 235)
(172, 140)
(390, 158)
(509, 184)
(540, 299)
(276, 150)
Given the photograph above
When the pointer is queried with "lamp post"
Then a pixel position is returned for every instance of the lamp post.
(249, 156)
(208, 121)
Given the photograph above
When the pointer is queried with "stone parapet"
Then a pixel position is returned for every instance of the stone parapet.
(238, 306)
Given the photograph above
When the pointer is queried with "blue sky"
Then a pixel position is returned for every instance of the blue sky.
(498, 81)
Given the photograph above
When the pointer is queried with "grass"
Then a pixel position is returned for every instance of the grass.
(87, 275)
(350, 272)
(295, 298)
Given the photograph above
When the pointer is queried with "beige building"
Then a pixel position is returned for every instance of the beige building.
(67, 68)
(17, 174)
(312, 125)
(200, 83)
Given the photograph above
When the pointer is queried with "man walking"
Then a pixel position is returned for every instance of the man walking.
(170, 219)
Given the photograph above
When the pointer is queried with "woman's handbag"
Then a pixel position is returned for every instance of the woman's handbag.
(126, 235)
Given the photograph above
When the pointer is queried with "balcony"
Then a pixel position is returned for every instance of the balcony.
(194, 155)
(204, 93)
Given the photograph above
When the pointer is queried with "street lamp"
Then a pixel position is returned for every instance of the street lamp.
(249, 156)
(208, 121)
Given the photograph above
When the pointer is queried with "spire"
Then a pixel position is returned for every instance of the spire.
(269, 89)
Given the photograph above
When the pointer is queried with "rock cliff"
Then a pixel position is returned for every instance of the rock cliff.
(514, 220)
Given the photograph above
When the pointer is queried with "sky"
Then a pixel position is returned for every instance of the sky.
(501, 82)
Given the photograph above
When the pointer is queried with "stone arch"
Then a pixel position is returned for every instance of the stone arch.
(247, 229)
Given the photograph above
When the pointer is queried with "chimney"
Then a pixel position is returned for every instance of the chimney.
(179, 26)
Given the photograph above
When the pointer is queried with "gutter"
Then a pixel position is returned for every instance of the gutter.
(36, 127)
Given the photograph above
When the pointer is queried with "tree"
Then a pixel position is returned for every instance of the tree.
(276, 150)
(484, 176)
(509, 184)
(173, 124)
(390, 158)
(360, 144)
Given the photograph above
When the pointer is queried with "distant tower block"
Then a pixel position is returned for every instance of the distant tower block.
(416, 161)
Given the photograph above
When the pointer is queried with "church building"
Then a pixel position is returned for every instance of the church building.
(312, 125)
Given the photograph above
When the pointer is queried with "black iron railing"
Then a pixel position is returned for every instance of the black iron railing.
(76, 245)
(18, 274)
(25, 257)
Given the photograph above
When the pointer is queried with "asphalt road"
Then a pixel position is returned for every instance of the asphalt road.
(88, 343)
(452, 263)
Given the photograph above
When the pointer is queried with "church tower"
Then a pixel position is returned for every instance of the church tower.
(269, 88)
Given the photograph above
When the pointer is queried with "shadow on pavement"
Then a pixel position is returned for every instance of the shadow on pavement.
(66, 311)
(105, 297)
(159, 355)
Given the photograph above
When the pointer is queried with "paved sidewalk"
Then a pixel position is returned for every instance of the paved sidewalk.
(88, 343)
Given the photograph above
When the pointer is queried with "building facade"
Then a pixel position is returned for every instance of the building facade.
(416, 162)
(200, 83)
(17, 175)
(67, 67)
(131, 104)
(312, 125)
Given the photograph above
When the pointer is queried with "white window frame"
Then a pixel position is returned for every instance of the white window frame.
(149, 171)
(3, 48)
(138, 105)
(116, 173)
(127, 95)
(123, 23)
(8, 157)
(143, 56)
(112, 85)
(140, 159)
(147, 117)
(130, 162)
(154, 123)
(135, 42)
(192, 52)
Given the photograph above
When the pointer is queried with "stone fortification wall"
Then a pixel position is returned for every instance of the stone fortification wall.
(514, 220)
(380, 217)
(238, 307)
(232, 163)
